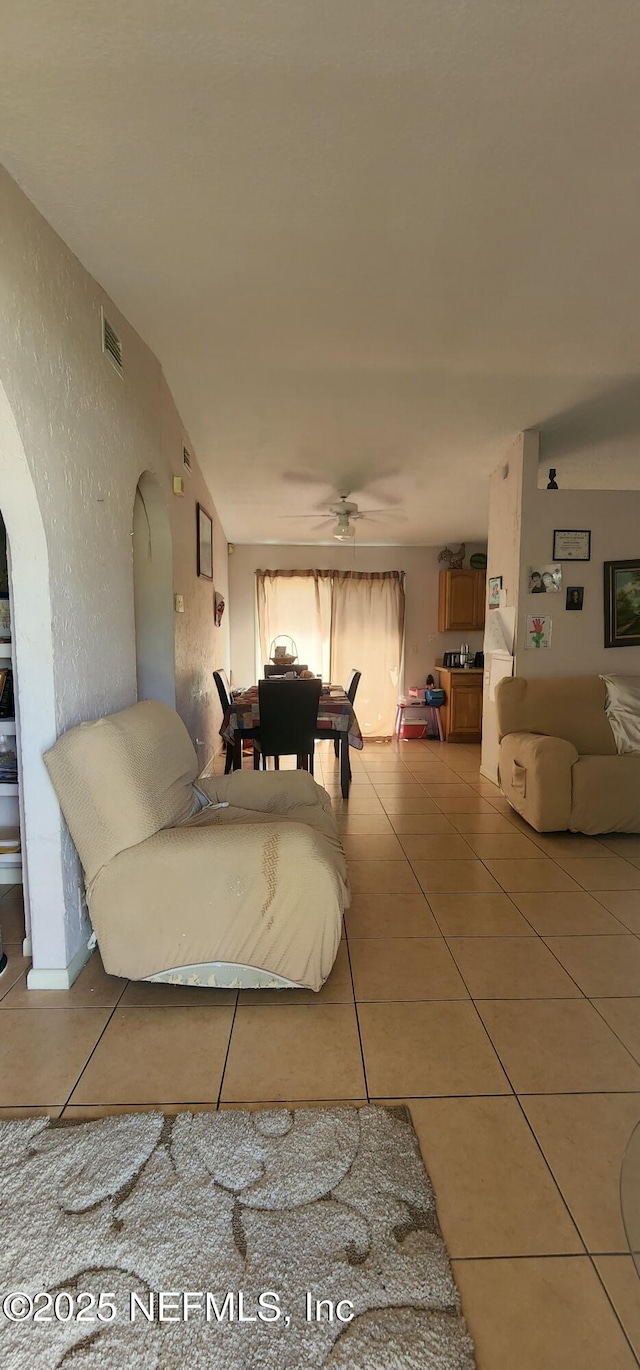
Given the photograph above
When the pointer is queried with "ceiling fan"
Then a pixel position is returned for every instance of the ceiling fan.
(344, 515)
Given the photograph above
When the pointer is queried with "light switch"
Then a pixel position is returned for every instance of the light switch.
(178, 603)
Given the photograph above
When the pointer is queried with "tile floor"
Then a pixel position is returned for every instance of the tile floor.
(489, 978)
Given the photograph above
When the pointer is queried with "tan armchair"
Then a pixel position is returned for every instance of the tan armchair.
(558, 763)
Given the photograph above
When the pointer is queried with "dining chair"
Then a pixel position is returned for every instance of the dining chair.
(224, 695)
(351, 691)
(288, 720)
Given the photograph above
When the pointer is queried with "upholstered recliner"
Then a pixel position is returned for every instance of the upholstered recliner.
(558, 761)
(238, 880)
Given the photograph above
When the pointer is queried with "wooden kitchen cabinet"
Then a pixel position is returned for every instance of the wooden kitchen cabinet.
(461, 598)
(462, 714)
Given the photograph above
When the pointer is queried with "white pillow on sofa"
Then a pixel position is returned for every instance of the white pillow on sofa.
(622, 705)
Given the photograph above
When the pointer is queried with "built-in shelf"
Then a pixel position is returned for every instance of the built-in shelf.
(10, 858)
(8, 789)
(5, 649)
(8, 726)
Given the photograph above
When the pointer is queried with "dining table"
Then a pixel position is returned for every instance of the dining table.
(336, 721)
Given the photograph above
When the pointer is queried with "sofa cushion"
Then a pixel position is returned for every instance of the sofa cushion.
(572, 707)
(606, 794)
(121, 779)
(623, 712)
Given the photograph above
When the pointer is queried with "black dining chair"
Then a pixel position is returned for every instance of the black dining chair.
(288, 720)
(351, 692)
(224, 695)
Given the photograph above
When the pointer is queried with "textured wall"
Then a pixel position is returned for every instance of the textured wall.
(87, 434)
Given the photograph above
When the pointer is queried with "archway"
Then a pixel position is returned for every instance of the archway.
(153, 593)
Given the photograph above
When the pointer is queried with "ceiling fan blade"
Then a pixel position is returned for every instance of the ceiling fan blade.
(301, 516)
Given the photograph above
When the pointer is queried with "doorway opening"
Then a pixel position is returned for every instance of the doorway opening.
(153, 593)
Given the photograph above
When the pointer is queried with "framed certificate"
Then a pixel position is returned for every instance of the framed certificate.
(571, 544)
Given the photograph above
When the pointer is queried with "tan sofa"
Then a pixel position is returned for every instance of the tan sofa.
(558, 762)
(250, 894)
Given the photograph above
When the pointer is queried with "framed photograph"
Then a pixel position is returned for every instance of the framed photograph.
(204, 543)
(5, 617)
(544, 580)
(495, 586)
(538, 633)
(575, 597)
(571, 544)
(622, 603)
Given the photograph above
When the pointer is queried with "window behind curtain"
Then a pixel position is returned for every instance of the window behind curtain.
(298, 604)
(367, 631)
(341, 621)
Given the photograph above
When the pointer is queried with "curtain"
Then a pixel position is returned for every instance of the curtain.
(297, 603)
(367, 633)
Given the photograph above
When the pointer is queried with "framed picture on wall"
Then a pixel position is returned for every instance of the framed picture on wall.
(622, 603)
(495, 586)
(571, 544)
(204, 543)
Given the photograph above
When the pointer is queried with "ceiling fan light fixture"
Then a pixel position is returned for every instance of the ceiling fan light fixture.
(344, 530)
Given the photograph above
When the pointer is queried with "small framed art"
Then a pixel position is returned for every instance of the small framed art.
(575, 597)
(204, 543)
(622, 603)
(571, 544)
(495, 586)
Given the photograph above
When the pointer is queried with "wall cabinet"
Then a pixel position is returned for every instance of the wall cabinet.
(462, 714)
(461, 598)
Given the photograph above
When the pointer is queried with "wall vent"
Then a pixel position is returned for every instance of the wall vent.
(111, 344)
(186, 460)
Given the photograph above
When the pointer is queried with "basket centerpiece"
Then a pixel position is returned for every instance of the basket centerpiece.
(281, 653)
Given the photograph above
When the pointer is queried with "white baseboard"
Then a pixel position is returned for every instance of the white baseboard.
(26, 947)
(61, 977)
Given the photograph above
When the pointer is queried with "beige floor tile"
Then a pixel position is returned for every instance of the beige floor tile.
(93, 988)
(623, 1015)
(409, 803)
(36, 1111)
(487, 790)
(510, 968)
(514, 847)
(254, 1106)
(623, 844)
(157, 1056)
(567, 913)
(433, 774)
(600, 965)
(531, 875)
(357, 803)
(620, 1279)
(453, 877)
(624, 904)
(570, 845)
(495, 1194)
(379, 847)
(584, 1138)
(478, 915)
(557, 1046)
(613, 874)
(398, 779)
(421, 823)
(540, 1313)
(390, 915)
(293, 1052)
(87, 1112)
(364, 824)
(436, 847)
(382, 877)
(337, 988)
(489, 823)
(42, 1054)
(15, 971)
(422, 1049)
(138, 994)
(399, 968)
(450, 789)
(464, 804)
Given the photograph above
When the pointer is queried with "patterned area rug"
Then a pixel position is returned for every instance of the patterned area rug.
(224, 1241)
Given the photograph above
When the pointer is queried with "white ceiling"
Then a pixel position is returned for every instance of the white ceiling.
(369, 240)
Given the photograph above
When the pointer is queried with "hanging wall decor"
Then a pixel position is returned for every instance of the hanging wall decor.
(622, 603)
(204, 543)
(538, 633)
(218, 608)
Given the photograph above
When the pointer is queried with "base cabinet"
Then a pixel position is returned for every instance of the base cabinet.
(462, 713)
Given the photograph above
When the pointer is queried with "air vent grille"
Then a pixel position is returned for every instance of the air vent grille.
(111, 344)
(186, 460)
